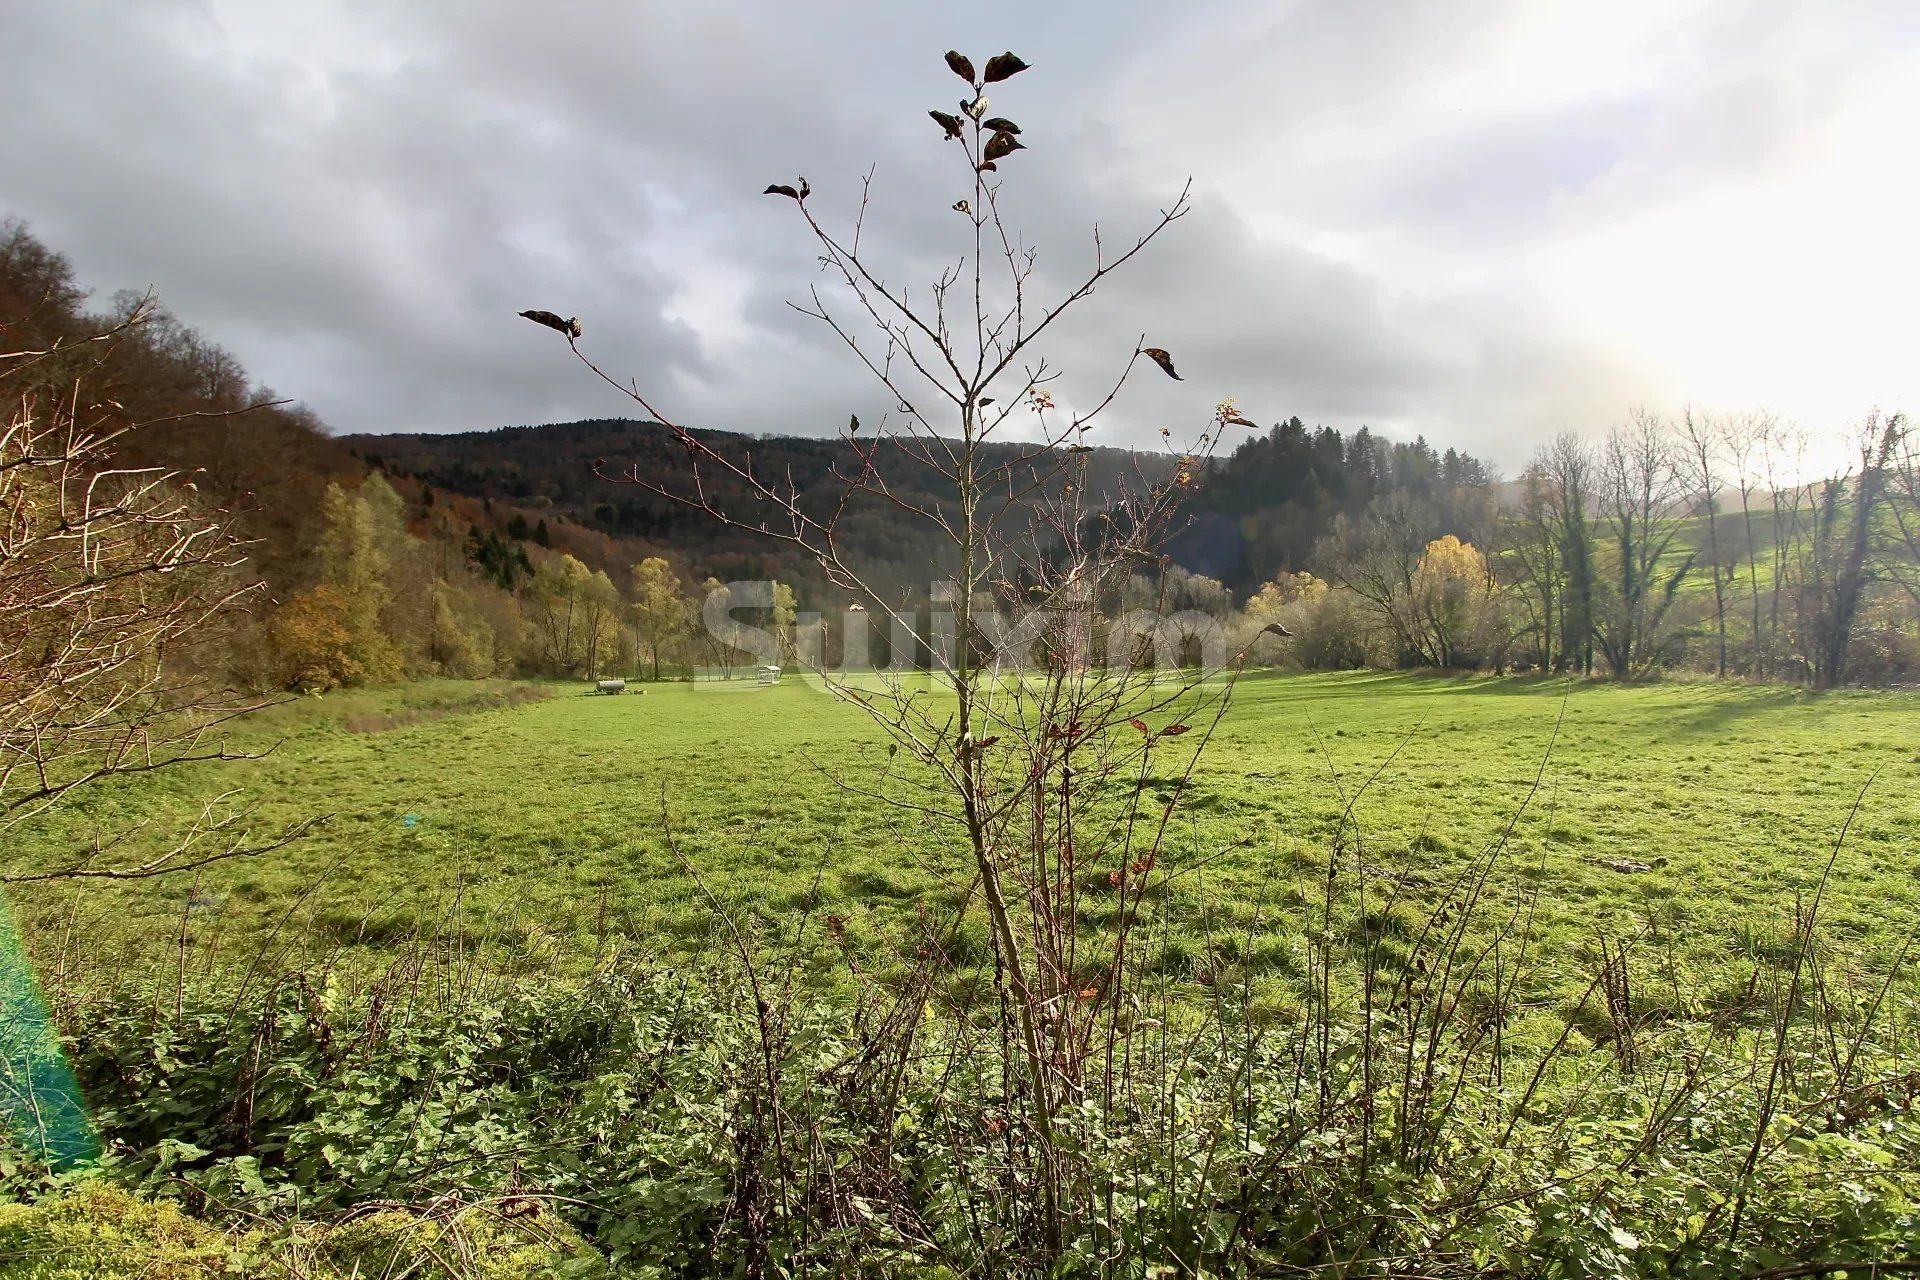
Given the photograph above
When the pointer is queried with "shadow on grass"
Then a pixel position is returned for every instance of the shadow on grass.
(1729, 706)
(1418, 680)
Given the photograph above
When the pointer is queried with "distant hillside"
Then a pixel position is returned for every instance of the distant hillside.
(516, 551)
(498, 499)
(271, 465)
(547, 474)
(1263, 508)
(1256, 512)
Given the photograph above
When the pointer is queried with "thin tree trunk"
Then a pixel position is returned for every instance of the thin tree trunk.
(1850, 584)
(1753, 573)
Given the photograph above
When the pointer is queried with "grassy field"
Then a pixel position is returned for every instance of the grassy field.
(1688, 814)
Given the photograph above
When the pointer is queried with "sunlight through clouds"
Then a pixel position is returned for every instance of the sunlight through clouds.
(1485, 222)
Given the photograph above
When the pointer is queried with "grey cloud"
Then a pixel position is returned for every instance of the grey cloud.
(359, 212)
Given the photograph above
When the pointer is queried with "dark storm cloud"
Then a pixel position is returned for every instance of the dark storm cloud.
(357, 200)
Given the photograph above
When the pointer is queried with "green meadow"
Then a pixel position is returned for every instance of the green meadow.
(550, 829)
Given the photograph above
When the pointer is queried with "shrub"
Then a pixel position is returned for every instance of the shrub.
(684, 1125)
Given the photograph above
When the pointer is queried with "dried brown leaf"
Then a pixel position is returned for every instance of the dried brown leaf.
(1160, 357)
(1002, 67)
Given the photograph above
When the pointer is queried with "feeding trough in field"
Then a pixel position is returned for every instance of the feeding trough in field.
(615, 685)
(768, 675)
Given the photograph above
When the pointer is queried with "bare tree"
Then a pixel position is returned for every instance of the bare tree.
(111, 582)
(1567, 466)
(1640, 486)
(1032, 729)
(1790, 501)
(1903, 503)
(1530, 538)
(1844, 565)
(1701, 438)
(1741, 435)
(1376, 555)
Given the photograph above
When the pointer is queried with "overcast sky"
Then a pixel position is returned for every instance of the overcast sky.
(1481, 221)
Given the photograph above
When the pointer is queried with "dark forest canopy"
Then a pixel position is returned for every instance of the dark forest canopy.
(1266, 506)
(570, 473)
(1255, 513)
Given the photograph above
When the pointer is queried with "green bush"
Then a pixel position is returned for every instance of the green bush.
(681, 1128)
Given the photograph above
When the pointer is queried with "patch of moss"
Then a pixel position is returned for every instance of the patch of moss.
(99, 1231)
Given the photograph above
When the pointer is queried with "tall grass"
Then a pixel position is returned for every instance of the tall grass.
(1436, 1112)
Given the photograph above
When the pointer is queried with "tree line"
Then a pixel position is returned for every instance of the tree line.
(1701, 542)
(1704, 542)
(336, 569)
(393, 599)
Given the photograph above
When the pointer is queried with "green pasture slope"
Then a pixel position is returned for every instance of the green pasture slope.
(1685, 815)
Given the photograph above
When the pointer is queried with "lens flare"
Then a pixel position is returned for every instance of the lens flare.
(41, 1108)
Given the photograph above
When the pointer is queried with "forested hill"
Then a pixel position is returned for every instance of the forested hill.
(552, 476)
(245, 449)
(1263, 509)
(493, 505)
(1256, 512)
(507, 551)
